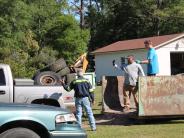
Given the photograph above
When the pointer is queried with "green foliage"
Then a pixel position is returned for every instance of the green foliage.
(34, 33)
(31, 35)
(122, 20)
(67, 37)
(46, 56)
(171, 17)
(17, 59)
(31, 45)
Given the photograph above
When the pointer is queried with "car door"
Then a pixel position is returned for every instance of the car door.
(4, 87)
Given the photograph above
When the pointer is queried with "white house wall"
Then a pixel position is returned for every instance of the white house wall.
(164, 55)
(103, 62)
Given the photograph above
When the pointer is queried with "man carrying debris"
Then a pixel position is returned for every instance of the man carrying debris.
(132, 70)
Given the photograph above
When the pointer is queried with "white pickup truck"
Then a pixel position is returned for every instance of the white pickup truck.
(24, 91)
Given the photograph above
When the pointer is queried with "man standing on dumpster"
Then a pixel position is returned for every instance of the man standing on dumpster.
(83, 96)
(132, 70)
(152, 59)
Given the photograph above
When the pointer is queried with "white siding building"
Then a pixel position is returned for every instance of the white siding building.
(170, 50)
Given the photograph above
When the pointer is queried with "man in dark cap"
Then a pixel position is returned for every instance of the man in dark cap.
(83, 95)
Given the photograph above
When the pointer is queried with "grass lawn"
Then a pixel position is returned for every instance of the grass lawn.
(131, 128)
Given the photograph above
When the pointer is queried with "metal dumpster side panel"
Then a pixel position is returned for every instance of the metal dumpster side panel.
(112, 91)
(161, 96)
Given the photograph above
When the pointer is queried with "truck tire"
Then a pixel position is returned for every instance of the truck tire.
(19, 133)
(47, 78)
(70, 77)
(58, 65)
(64, 71)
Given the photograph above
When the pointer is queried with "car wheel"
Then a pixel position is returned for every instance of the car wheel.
(19, 133)
(47, 78)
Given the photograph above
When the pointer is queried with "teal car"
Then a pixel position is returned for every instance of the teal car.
(37, 121)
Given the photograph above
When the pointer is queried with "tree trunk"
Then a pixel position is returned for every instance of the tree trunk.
(90, 3)
(82, 14)
(98, 8)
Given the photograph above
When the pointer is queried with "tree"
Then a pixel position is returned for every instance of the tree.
(171, 16)
(26, 33)
(66, 37)
(122, 20)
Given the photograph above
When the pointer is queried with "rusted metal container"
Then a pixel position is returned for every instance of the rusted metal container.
(161, 96)
(158, 96)
(112, 90)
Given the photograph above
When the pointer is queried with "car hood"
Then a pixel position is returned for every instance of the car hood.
(30, 107)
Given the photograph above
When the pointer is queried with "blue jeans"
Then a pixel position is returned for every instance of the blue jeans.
(84, 102)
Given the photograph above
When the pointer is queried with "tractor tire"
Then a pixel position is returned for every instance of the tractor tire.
(58, 65)
(64, 71)
(19, 133)
(70, 77)
(47, 78)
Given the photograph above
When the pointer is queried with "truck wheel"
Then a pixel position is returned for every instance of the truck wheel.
(70, 77)
(64, 71)
(58, 65)
(48, 78)
(19, 133)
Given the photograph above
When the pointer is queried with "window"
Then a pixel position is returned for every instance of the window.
(2, 78)
(123, 60)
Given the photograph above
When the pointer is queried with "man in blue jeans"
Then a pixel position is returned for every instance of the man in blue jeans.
(152, 59)
(83, 95)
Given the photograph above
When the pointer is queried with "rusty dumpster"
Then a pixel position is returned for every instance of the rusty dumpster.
(158, 95)
(161, 96)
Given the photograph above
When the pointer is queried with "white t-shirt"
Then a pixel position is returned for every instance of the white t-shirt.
(132, 71)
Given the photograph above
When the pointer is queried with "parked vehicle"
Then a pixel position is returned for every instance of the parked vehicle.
(37, 121)
(24, 90)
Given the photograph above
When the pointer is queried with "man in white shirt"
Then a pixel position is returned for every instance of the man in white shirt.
(132, 71)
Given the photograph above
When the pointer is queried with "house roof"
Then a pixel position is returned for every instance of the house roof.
(133, 44)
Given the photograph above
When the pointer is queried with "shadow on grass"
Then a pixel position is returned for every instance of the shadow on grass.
(128, 119)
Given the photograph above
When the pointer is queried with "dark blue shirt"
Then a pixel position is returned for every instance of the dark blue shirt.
(82, 88)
